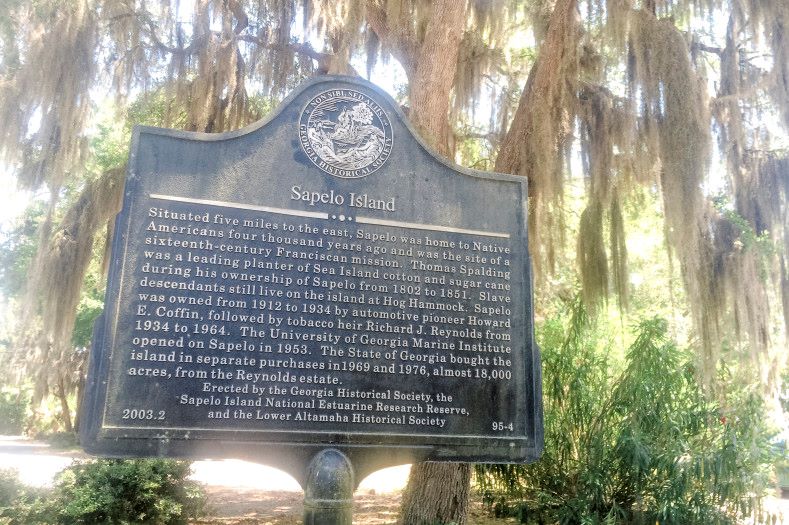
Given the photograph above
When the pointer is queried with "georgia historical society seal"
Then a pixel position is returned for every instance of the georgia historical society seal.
(345, 133)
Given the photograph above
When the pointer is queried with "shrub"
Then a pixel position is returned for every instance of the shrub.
(59, 440)
(150, 491)
(22, 505)
(645, 445)
(13, 407)
(10, 487)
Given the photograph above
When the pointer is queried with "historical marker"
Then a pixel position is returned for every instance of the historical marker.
(318, 280)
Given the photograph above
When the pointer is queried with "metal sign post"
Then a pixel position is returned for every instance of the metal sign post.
(328, 492)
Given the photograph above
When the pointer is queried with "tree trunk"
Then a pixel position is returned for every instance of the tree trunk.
(533, 143)
(436, 493)
(434, 73)
(64, 408)
(80, 392)
(544, 93)
(430, 62)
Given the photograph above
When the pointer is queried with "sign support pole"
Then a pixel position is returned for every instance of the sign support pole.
(328, 491)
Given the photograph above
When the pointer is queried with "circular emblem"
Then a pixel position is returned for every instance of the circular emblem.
(345, 133)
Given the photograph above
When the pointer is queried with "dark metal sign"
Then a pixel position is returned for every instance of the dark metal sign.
(320, 279)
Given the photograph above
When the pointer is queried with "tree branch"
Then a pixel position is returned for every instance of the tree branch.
(490, 136)
(404, 47)
(324, 60)
(238, 11)
(147, 20)
(708, 49)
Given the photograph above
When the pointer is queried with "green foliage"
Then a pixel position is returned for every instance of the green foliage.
(110, 146)
(645, 445)
(17, 248)
(260, 105)
(13, 410)
(60, 440)
(156, 108)
(747, 237)
(45, 420)
(151, 491)
(91, 304)
(22, 505)
(110, 143)
(10, 487)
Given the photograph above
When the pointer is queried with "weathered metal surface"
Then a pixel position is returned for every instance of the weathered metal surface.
(319, 279)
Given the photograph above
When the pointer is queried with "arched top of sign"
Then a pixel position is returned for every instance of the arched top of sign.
(344, 142)
(345, 133)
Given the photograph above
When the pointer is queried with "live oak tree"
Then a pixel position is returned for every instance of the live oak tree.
(673, 96)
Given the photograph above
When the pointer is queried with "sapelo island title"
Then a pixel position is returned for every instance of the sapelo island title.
(354, 200)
